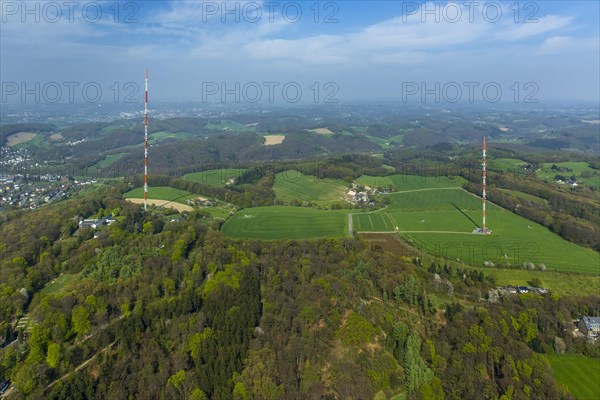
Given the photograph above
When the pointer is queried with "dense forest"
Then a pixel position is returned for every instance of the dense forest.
(150, 308)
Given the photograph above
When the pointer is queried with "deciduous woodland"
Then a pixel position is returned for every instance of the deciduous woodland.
(151, 308)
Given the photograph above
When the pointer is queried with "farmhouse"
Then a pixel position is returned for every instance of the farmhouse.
(590, 326)
(522, 289)
(95, 223)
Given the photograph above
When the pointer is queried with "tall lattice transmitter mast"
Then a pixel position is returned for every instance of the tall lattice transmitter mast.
(146, 144)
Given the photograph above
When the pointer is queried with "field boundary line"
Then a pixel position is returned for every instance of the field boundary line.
(423, 190)
(453, 232)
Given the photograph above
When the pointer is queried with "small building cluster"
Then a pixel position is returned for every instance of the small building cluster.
(19, 191)
(590, 327)
(569, 182)
(96, 223)
(360, 195)
(201, 202)
(508, 290)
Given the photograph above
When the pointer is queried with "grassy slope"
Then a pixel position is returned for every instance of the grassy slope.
(425, 206)
(514, 236)
(109, 160)
(525, 196)
(409, 182)
(577, 167)
(161, 193)
(215, 177)
(293, 185)
(558, 282)
(580, 374)
(506, 164)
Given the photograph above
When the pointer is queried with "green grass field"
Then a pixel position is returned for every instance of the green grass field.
(39, 140)
(170, 135)
(384, 143)
(372, 222)
(430, 220)
(410, 182)
(592, 176)
(273, 223)
(215, 177)
(230, 126)
(578, 373)
(109, 160)
(57, 285)
(435, 215)
(161, 193)
(506, 164)
(292, 185)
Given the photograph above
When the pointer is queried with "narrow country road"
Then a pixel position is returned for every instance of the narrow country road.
(350, 224)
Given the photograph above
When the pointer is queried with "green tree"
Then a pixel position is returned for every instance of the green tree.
(417, 372)
(53, 357)
(80, 320)
(198, 394)
(25, 379)
(177, 378)
(38, 342)
(148, 228)
(239, 391)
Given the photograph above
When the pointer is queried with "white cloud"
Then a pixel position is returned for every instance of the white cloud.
(181, 47)
(568, 45)
(545, 24)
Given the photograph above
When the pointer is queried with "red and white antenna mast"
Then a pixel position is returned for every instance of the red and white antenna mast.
(484, 165)
(146, 145)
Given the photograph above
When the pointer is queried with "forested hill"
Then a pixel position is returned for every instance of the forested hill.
(156, 307)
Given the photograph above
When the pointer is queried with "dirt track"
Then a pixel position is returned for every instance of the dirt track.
(163, 203)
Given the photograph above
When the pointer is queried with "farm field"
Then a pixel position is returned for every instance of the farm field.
(272, 223)
(384, 143)
(161, 193)
(215, 177)
(19, 138)
(109, 160)
(293, 185)
(27, 140)
(437, 220)
(592, 176)
(372, 222)
(271, 140)
(580, 374)
(410, 182)
(230, 126)
(430, 220)
(506, 164)
(322, 131)
(154, 137)
(525, 196)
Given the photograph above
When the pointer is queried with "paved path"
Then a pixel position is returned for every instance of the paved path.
(350, 223)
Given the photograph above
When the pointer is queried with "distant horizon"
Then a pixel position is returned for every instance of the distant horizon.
(344, 51)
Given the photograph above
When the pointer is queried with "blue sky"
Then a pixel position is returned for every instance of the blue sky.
(370, 50)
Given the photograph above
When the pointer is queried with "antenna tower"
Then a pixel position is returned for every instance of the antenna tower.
(484, 165)
(146, 145)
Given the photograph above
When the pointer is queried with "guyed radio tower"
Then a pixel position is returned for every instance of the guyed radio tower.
(484, 229)
(146, 145)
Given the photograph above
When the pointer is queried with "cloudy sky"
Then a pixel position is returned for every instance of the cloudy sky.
(344, 50)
